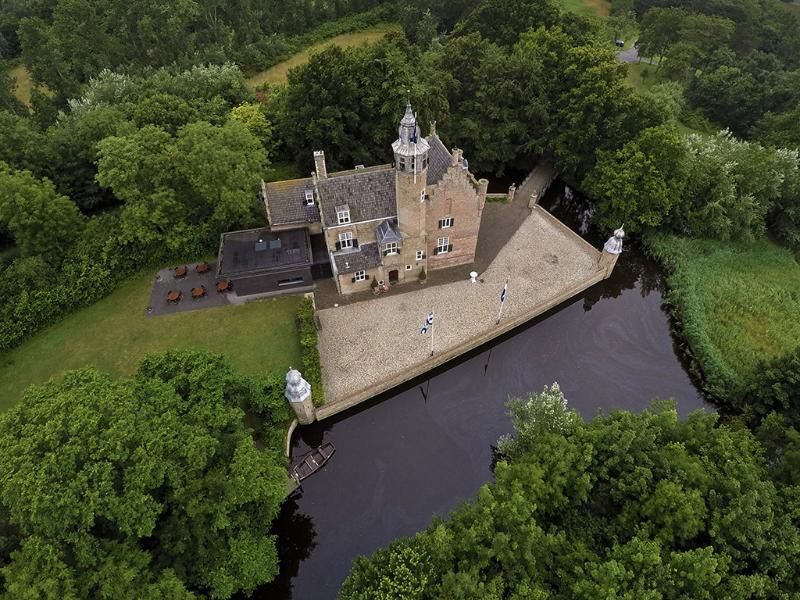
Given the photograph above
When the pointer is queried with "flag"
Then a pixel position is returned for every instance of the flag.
(503, 293)
(428, 323)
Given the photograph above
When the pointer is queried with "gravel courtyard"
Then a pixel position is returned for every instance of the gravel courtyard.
(368, 342)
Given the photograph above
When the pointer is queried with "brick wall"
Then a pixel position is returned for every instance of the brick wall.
(454, 197)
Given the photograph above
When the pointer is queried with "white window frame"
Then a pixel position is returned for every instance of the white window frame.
(420, 254)
(309, 197)
(345, 240)
(446, 223)
(390, 249)
(360, 276)
(442, 245)
(343, 216)
(408, 267)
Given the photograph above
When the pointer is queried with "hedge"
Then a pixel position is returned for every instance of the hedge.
(312, 369)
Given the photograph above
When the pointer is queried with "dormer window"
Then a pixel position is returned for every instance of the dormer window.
(309, 197)
(343, 215)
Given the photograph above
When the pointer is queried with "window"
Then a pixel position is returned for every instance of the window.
(292, 281)
(390, 249)
(360, 276)
(345, 240)
(446, 223)
(309, 201)
(343, 216)
(423, 196)
(408, 267)
(420, 255)
(443, 245)
(401, 162)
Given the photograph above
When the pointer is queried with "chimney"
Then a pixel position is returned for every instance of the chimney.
(456, 156)
(319, 162)
(433, 128)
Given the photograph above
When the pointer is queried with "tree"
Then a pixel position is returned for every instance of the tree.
(253, 117)
(40, 220)
(144, 487)
(639, 184)
(183, 189)
(642, 506)
(502, 21)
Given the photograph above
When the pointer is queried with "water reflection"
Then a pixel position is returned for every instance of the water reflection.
(421, 449)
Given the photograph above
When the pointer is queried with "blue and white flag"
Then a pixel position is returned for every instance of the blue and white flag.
(428, 323)
(503, 293)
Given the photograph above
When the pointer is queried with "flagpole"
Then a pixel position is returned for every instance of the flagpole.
(432, 334)
(502, 303)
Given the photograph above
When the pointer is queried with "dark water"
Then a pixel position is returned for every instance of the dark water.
(421, 450)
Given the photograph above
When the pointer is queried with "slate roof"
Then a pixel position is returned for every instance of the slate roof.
(261, 250)
(370, 194)
(387, 232)
(439, 158)
(285, 200)
(365, 257)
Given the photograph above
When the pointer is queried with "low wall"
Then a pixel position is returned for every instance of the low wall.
(441, 358)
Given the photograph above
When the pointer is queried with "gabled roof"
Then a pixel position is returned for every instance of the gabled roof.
(369, 193)
(286, 202)
(387, 232)
(439, 159)
(365, 257)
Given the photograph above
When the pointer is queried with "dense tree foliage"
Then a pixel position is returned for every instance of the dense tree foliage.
(39, 220)
(183, 152)
(66, 42)
(143, 487)
(738, 60)
(625, 506)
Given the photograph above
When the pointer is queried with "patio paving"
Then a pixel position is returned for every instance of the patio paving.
(372, 345)
(165, 282)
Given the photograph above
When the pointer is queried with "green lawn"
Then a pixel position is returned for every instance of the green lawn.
(600, 8)
(24, 84)
(278, 73)
(114, 334)
(739, 303)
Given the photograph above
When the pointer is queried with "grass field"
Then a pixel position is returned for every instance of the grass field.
(600, 8)
(278, 73)
(24, 83)
(114, 334)
(739, 303)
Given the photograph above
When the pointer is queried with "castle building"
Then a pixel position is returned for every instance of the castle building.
(387, 223)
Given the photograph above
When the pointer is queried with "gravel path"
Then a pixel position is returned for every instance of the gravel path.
(362, 344)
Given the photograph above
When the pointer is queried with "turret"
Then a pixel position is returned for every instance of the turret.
(611, 251)
(411, 163)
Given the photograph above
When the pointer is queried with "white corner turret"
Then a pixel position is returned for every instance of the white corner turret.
(298, 393)
(611, 251)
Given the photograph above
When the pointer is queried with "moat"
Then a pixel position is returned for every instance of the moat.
(420, 450)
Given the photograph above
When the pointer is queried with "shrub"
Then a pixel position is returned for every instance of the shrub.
(312, 369)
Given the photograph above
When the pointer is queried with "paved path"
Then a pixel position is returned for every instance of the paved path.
(632, 55)
(369, 345)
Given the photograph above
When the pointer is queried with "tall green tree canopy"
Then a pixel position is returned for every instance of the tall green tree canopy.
(204, 179)
(143, 487)
(641, 506)
(40, 220)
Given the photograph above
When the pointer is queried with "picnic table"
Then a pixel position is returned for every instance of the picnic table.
(181, 271)
(224, 286)
(202, 267)
(199, 292)
(173, 296)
